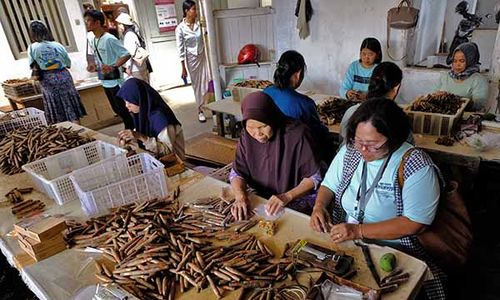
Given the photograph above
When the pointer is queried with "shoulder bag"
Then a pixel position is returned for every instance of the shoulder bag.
(401, 17)
(449, 238)
(113, 75)
(140, 54)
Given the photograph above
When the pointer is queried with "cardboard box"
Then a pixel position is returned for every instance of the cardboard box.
(40, 228)
(41, 250)
(239, 93)
(173, 164)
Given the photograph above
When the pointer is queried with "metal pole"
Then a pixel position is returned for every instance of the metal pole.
(212, 47)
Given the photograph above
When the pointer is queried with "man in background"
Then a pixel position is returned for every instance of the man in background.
(108, 57)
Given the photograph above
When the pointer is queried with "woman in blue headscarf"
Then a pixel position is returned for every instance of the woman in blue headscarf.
(155, 123)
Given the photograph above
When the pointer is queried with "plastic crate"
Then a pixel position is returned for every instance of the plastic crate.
(119, 182)
(434, 123)
(20, 88)
(51, 174)
(24, 118)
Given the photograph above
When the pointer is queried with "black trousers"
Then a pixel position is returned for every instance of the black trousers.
(118, 106)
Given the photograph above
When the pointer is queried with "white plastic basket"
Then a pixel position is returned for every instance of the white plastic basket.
(119, 182)
(24, 118)
(51, 174)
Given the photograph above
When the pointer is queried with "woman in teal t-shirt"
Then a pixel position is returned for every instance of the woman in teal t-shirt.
(61, 100)
(464, 78)
(361, 183)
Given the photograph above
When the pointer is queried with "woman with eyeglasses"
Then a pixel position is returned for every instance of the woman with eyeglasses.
(368, 202)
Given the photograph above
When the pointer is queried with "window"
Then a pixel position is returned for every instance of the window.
(16, 15)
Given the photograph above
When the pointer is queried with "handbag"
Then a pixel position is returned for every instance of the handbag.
(449, 238)
(401, 17)
(140, 55)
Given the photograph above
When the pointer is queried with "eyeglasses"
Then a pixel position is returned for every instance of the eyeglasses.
(360, 146)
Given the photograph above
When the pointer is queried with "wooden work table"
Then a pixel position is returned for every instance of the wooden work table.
(95, 101)
(458, 153)
(72, 271)
(99, 112)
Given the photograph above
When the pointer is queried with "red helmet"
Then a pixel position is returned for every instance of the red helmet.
(249, 54)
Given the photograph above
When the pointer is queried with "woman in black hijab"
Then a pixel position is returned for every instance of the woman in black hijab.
(155, 123)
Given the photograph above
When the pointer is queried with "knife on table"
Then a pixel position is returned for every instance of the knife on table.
(369, 261)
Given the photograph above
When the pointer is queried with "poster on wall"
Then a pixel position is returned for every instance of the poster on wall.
(165, 13)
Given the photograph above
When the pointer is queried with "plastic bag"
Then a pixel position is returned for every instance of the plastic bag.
(483, 141)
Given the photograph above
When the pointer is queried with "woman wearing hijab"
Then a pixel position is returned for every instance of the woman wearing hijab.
(464, 79)
(155, 123)
(275, 156)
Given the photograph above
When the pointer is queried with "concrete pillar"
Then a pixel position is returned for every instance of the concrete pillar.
(212, 46)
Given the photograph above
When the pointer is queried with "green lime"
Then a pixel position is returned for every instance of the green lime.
(388, 262)
(489, 117)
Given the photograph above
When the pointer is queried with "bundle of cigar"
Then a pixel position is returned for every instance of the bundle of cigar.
(13, 115)
(440, 102)
(23, 146)
(254, 84)
(16, 194)
(332, 109)
(27, 208)
(160, 248)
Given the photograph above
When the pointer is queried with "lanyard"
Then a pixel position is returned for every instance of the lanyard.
(364, 194)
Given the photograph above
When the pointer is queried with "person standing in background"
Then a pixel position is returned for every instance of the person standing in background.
(137, 28)
(109, 56)
(61, 100)
(132, 41)
(191, 50)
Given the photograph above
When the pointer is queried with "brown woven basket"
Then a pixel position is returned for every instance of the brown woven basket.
(19, 87)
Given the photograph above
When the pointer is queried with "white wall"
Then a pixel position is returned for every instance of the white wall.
(337, 29)
(12, 68)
